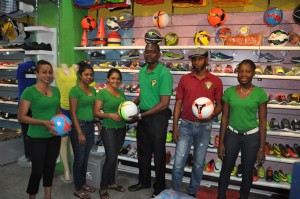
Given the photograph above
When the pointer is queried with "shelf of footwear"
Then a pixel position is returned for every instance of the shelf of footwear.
(8, 102)
(12, 67)
(9, 85)
(261, 182)
(281, 48)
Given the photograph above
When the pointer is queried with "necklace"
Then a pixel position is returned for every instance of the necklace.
(45, 92)
(246, 91)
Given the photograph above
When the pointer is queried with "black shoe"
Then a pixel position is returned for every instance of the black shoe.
(138, 187)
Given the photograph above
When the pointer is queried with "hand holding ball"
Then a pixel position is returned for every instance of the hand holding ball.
(203, 108)
(62, 124)
(127, 109)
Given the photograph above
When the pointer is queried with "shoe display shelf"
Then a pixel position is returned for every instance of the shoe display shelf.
(48, 35)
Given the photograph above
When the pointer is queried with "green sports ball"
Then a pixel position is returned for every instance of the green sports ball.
(127, 109)
(171, 39)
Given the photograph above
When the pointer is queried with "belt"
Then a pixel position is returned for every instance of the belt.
(244, 132)
(196, 123)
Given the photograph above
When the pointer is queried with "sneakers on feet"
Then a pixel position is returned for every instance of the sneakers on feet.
(269, 58)
(220, 57)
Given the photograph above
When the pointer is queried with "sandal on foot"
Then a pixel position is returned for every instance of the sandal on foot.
(117, 188)
(82, 195)
(88, 188)
(104, 195)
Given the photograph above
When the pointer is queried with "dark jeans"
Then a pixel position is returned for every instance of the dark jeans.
(249, 145)
(24, 128)
(151, 138)
(44, 152)
(81, 152)
(113, 140)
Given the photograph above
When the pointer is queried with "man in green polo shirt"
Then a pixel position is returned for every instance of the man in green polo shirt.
(156, 84)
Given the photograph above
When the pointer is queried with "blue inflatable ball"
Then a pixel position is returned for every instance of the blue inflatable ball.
(273, 16)
(62, 124)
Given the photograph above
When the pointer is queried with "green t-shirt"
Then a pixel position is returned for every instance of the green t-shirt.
(110, 104)
(153, 85)
(243, 111)
(42, 108)
(85, 106)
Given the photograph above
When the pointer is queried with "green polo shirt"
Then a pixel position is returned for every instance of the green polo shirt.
(153, 85)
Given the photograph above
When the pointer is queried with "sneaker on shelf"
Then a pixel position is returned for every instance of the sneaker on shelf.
(228, 69)
(210, 166)
(135, 88)
(277, 151)
(295, 59)
(282, 176)
(239, 171)
(234, 170)
(289, 178)
(285, 124)
(211, 143)
(218, 165)
(97, 55)
(132, 152)
(297, 149)
(272, 99)
(259, 70)
(168, 157)
(296, 70)
(218, 68)
(279, 71)
(255, 175)
(268, 70)
(293, 99)
(125, 149)
(190, 160)
(169, 137)
(172, 56)
(217, 139)
(295, 124)
(281, 99)
(268, 126)
(284, 152)
(133, 54)
(269, 175)
(128, 88)
(288, 71)
(261, 172)
(276, 176)
(292, 151)
(274, 124)
(269, 149)
(269, 58)
(220, 57)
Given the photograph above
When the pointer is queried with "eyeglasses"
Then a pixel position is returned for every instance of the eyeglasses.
(150, 51)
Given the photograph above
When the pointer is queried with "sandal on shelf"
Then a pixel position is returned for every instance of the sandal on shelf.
(82, 195)
(88, 188)
(104, 195)
(117, 188)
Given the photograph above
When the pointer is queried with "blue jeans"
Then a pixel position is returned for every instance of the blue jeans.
(81, 152)
(198, 135)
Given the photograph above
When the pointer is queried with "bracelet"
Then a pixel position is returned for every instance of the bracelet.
(140, 116)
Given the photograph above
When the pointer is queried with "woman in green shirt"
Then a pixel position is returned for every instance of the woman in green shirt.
(113, 129)
(44, 101)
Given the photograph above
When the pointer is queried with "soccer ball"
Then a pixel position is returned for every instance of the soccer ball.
(62, 124)
(112, 24)
(153, 36)
(203, 107)
(278, 38)
(127, 109)
(296, 14)
(88, 23)
(201, 38)
(160, 19)
(222, 34)
(171, 39)
(273, 16)
(216, 17)
(125, 20)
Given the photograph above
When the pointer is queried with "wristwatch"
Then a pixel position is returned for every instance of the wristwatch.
(140, 116)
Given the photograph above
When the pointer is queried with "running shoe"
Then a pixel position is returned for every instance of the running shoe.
(288, 71)
(289, 178)
(285, 124)
(269, 58)
(97, 55)
(133, 54)
(274, 124)
(172, 56)
(282, 176)
(272, 99)
(293, 99)
(268, 70)
(239, 171)
(276, 176)
(269, 149)
(281, 99)
(295, 124)
(132, 153)
(217, 139)
(284, 152)
(218, 165)
(277, 151)
(220, 57)
(292, 151)
(259, 70)
(296, 70)
(279, 71)
(234, 170)
(210, 166)
(295, 59)
(297, 149)
(269, 176)
(261, 172)
(211, 143)
(255, 175)
(228, 69)
(218, 68)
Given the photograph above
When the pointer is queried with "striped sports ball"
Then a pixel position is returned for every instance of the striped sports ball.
(278, 38)
(112, 23)
(88, 23)
(125, 20)
(127, 109)
(203, 107)
(160, 19)
(153, 36)
(201, 38)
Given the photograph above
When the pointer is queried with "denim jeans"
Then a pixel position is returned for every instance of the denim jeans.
(191, 134)
(81, 152)
(249, 145)
(113, 140)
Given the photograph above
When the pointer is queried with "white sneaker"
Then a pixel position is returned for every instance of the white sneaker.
(211, 143)
(218, 165)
